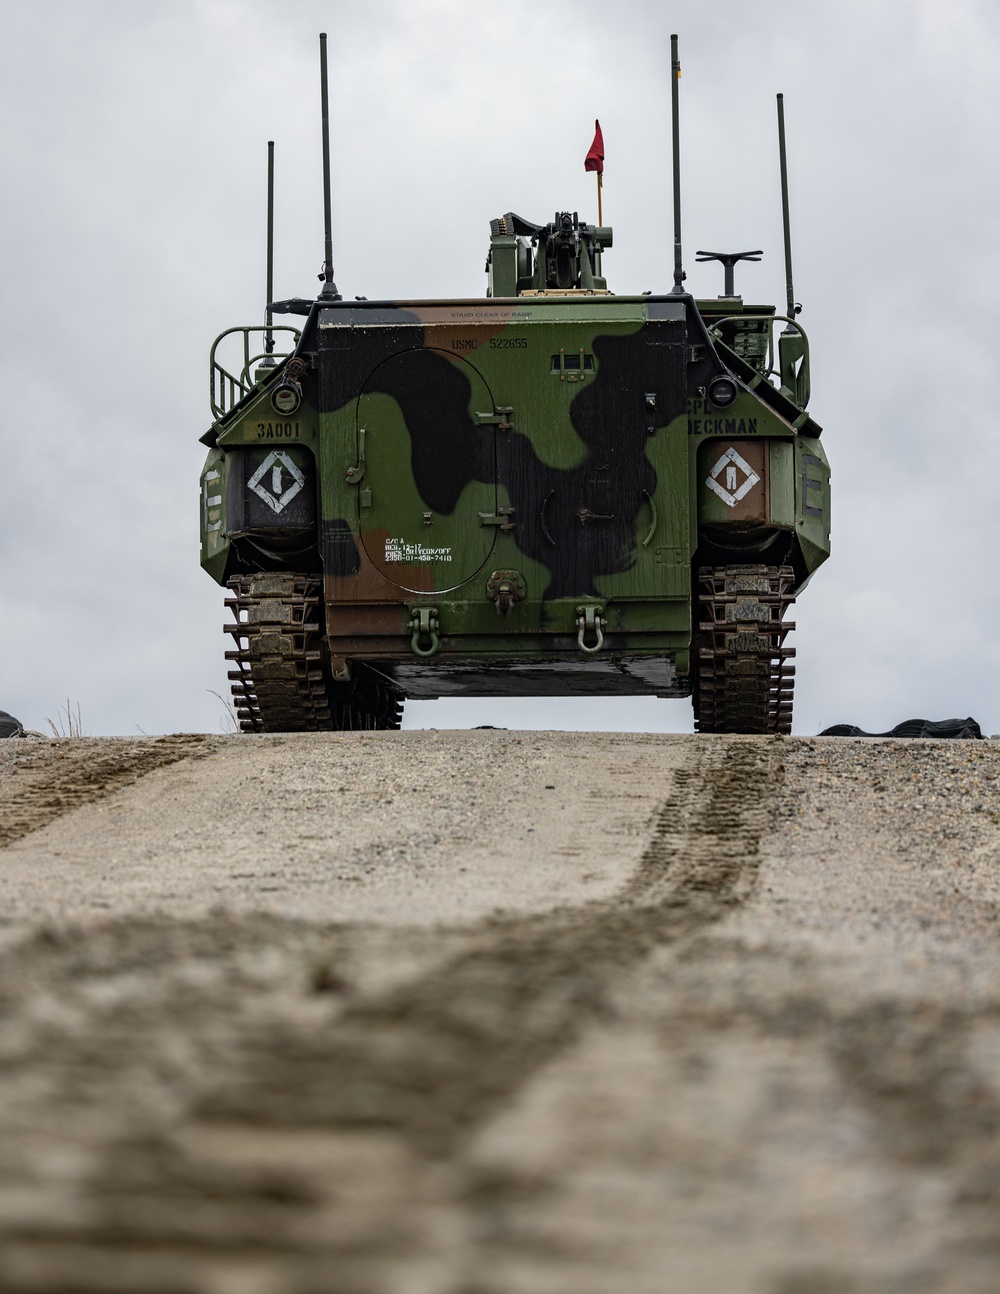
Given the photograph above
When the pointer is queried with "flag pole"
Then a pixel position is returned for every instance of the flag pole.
(594, 161)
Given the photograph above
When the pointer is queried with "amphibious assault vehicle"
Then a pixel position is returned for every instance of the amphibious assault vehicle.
(549, 490)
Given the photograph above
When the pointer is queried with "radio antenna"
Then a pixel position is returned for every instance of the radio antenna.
(675, 76)
(792, 308)
(329, 288)
(269, 336)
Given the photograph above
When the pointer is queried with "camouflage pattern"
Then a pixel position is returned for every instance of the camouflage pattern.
(492, 488)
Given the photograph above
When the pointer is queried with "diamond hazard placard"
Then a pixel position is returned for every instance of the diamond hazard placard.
(277, 481)
(732, 478)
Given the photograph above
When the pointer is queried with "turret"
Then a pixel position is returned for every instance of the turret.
(562, 256)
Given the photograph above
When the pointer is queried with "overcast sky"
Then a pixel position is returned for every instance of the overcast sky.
(134, 163)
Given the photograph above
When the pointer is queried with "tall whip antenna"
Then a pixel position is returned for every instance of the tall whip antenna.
(269, 336)
(675, 76)
(329, 288)
(792, 309)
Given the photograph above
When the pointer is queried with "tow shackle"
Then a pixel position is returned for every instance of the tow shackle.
(425, 638)
(590, 622)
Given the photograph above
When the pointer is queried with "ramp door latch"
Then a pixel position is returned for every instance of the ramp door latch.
(503, 517)
(584, 514)
(499, 418)
(425, 637)
(590, 622)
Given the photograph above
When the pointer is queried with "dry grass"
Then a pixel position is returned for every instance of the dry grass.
(68, 721)
(227, 721)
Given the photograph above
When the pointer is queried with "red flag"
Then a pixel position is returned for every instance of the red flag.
(594, 160)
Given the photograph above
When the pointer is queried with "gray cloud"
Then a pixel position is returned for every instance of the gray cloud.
(134, 154)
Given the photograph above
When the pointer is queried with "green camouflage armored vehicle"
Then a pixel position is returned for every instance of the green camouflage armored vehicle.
(550, 490)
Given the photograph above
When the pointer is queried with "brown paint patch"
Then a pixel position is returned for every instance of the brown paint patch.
(366, 584)
(478, 314)
(370, 582)
(419, 579)
(459, 341)
(462, 328)
(366, 619)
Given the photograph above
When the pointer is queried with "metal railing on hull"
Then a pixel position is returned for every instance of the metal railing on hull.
(226, 389)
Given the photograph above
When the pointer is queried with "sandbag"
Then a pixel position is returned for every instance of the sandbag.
(961, 729)
(9, 726)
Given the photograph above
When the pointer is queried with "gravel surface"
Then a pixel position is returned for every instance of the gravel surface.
(499, 1013)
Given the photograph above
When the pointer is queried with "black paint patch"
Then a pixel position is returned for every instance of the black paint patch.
(347, 357)
(448, 450)
(581, 523)
(339, 548)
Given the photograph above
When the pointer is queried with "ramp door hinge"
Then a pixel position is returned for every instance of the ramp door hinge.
(357, 473)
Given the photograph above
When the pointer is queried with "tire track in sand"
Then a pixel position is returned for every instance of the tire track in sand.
(39, 784)
(436, 1056)
(295, 1149)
